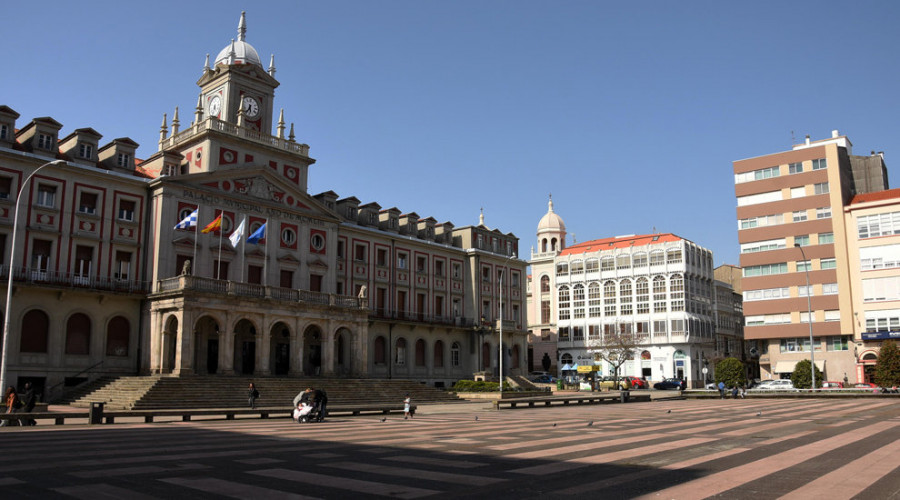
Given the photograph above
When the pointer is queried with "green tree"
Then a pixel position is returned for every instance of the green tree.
(800, 377)
(887, 371)
(731, 371)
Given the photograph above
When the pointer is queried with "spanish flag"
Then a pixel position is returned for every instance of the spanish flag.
(214, 225)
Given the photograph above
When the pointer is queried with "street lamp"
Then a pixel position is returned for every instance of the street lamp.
(812, 346)
(513, 256)
(9, 283)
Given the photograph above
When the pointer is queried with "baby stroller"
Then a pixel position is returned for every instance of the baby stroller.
(304, 412)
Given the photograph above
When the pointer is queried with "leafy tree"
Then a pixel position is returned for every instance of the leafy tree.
(887, 371)
(731, 372)
(800, 377)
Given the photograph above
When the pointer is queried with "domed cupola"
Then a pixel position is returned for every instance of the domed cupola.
(239, 51)
(551, 231)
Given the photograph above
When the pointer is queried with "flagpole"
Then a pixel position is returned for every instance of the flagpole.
(266, 257)
(243, 247)
(221, 230)
(196, 238)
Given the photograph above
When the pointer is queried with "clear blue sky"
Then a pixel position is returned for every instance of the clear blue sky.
(630, 113)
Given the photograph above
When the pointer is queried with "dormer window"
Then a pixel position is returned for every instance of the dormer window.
(46, 141)
(4, 131)
(169, 170)
(123, 160)
(85, 151)
(46, 196)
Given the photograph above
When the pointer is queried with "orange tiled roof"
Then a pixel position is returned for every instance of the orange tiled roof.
(876, 196)
(620, 242)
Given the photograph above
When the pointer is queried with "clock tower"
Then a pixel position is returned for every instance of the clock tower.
(237, 89)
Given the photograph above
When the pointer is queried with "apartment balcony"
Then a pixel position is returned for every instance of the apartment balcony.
(33, 276)
(181, 284)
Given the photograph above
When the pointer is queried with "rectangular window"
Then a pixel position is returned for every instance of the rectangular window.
(798, 192)
(828, 264)
(872, 226)
(762, 221)
(457, 270)
(286, 279)
(765, 269)
(795, 168)
(401, 260)
(803, 290)
(5, 187)
(821, 188)
(881, 289)
(123, 160)
(841, 343)
(254, 274)
(819, 164)
(767, 294)
(126, 210)
(439, 268)
(545, 312)
(359, 253)
(833, 315)
(4, 131)
(799, 216)
(879, 257)
(755, 175)
(87, 203)
(123, 265)
(802, 240)
(340, 249)
(315, 282)
(823, 213)
(46, 196)
(84, 255)
(826, 238)
(85, 151)
(829, 289)
(754, 199)
(803, 266)
(421, 264)
(220, 270)
(381, 257)
(46, 141)
(486, 274)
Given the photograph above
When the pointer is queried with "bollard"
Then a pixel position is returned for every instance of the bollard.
(623, 396)
(95, 416)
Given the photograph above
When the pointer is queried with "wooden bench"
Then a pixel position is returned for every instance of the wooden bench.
(587, 398)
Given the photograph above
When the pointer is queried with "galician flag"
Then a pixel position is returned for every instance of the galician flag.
(238, 233)
(257, 235)
(189, 221)
(213, 226)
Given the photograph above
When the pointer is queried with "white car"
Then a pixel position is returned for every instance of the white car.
(774, 385)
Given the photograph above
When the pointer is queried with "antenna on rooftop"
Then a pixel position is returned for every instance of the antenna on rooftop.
(793, 140)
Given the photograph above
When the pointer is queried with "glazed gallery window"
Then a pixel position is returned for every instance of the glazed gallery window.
(578, 301)
(756, 175)
(595, 306)
(564, 303)
(607, 264)
(873, 226)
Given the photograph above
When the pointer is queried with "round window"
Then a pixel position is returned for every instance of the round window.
(317, 242)
(288, 236)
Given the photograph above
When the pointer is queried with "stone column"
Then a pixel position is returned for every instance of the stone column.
(263, 347)
(184, 352)
(296, 368)
(155, 342)
(328, 349)
(226, 347)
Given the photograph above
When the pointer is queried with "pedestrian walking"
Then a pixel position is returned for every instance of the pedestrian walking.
(252, 395)
(721, 390)
(12, 406)
(28, 402)
(406, 407)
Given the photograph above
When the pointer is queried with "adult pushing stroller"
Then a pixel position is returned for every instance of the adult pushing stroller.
(304, 412)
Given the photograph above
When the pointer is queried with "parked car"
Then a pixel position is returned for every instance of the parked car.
(544, 379)
(832, 385)
(637, 383)
(609, 383)
(774, 385)
(670, 384)
(865, 386)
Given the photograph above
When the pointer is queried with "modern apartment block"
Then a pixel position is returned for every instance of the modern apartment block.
(791, 231)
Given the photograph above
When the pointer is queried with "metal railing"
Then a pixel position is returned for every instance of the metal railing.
(253, 290)
(37, 276)
(60, 387)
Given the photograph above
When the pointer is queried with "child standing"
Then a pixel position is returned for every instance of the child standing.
(406, 413)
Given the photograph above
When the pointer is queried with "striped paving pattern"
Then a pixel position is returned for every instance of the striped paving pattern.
(791, 448)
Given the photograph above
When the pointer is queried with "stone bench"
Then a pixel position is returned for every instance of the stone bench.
(587, 398)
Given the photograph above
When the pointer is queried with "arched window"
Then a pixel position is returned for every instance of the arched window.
(35, 327)
(659, 294)
(78, 334)
(625, 299)
(578, 301)
(609, 298)
(420, 352)
(676, 292)
(567, 359)
(553, 245)
(544, 245)
(117, 336)
(454, 354)
(564, 312)
(595, 307)
(400, 352)
(545, 284)
(379, 350)
(642, 290)
(439, 354)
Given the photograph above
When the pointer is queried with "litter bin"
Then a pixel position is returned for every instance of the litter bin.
(95, 416)
(559, 384)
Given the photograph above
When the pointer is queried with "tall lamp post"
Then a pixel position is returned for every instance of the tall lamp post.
(812, 346)
(513, 256)
(9, 283)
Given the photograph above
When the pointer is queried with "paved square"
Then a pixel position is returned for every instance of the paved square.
(790, 448)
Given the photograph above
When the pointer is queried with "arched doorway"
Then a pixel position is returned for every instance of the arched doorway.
(869, 361)
(280, 348)
(167, 356)
(312, 343)
(244, 347)
(343, 364)
(206, 342)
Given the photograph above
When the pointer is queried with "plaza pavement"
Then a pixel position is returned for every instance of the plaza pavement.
(773, 448)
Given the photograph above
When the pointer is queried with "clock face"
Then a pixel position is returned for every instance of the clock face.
(215, 105)
(251, 107)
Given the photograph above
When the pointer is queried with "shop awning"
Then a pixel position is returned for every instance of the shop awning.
(788, 366)
(566, 367)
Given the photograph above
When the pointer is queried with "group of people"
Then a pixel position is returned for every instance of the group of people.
(310, 405)
(736, 391)
(15, 404)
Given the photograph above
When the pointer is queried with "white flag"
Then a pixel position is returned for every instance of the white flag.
(238, 233)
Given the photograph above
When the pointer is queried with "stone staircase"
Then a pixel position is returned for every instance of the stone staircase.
(155, 392)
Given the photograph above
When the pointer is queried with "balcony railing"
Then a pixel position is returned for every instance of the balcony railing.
(198, 284)
(421, 318)
(212, 123)
(37, 276)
